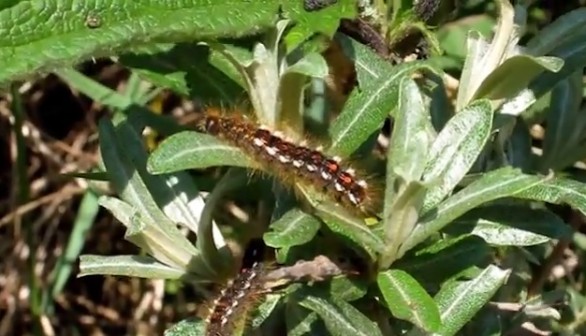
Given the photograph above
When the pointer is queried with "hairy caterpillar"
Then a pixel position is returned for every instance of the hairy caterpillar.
(293, 162)
(231, 310)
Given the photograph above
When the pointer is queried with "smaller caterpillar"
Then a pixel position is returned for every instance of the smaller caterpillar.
(293, 162)
(231, 310)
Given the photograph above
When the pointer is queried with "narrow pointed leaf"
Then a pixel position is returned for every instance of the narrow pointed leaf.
(455, 150)
(368, 106)
(565, 124)
(512, 225)
(496, 184)
(458, 302)
(127, 265)
(407, 300)
(564, 28)
(411, 140)
(558, 191)
(264, 310)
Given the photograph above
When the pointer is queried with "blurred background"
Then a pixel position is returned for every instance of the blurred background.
(49, 218)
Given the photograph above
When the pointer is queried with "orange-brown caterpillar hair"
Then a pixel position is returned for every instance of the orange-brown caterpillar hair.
(293, 162)
(232, 309)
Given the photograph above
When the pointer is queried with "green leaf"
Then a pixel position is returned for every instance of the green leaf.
(458, 302)
(512, 225)
(469, 81)
(325, 21)
(352, 228)
(294, 228)
(340, 317)
(367, 106)
(123, 159)
(558, 191)
(301, 321)
(150, 237)
(455, 150)
(453, 36)
(192, 150)
(94, 90)
(565, 125)
(400, 220)
(84, 220)
(407, 300)
(127, 265)
(492, 185)
(188, 327)
(513, 75)
(445, 259)
(184, 67)
(411, 140)
(573, 53)
(564, 28)
(41, 35)
(484, 57)
(220, 261)
(292, 87)
(346, 288)
(265, 309)
(263, 75)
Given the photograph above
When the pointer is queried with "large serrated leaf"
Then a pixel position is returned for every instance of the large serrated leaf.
(340, 317)
(455, 150)
(493, 185)
(458, 302)
(407, 300)
(192, 150)
(294, 228)
(43, 34)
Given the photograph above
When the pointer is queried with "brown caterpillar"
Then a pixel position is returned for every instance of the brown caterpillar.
(231, 310)
(293, 162)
